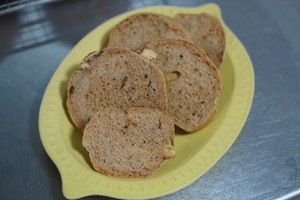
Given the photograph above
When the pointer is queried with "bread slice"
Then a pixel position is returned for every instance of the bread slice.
(136, 30)
(207, 33)
(129, 144)
(114, 78)
(194, 82)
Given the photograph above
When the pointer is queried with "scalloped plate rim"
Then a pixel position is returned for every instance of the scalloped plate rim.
(242, 121)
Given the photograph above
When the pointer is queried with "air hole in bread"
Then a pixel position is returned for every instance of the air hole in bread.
(124, 81)
(71, 90)
(159, 124)
(149, 84)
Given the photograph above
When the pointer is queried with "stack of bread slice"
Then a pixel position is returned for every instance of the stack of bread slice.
(156, 71)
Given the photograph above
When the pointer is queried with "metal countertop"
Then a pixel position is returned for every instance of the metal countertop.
(263, 163)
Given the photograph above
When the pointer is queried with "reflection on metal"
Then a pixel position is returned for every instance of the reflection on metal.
(264, 162)
(7, 6)
(32, 28)
(137, 4)
(35, 29)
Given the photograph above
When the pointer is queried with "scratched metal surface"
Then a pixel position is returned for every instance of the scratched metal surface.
(263, 163)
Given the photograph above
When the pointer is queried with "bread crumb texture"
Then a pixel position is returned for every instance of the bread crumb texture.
(128, 143)
(194, 82)
(115, 78)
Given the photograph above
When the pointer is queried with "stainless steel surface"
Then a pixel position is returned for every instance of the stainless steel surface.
(263, 163)
(8, 6)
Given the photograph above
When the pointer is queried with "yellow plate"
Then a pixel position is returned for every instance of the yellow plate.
(195, 153)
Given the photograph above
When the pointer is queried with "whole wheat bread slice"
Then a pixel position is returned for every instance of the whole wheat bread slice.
(194, 82)
(129, 143)
(207, 33)
(136, 30)
(114, 78)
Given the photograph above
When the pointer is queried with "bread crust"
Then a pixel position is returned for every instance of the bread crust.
(207, 33)
(131, 32)
(172, 48)
(102, 77)
(95, 133)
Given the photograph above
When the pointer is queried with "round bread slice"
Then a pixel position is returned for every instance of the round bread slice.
(129, 144)
(207, 33)
(194, 82)
(136, 30)
(114, 78)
